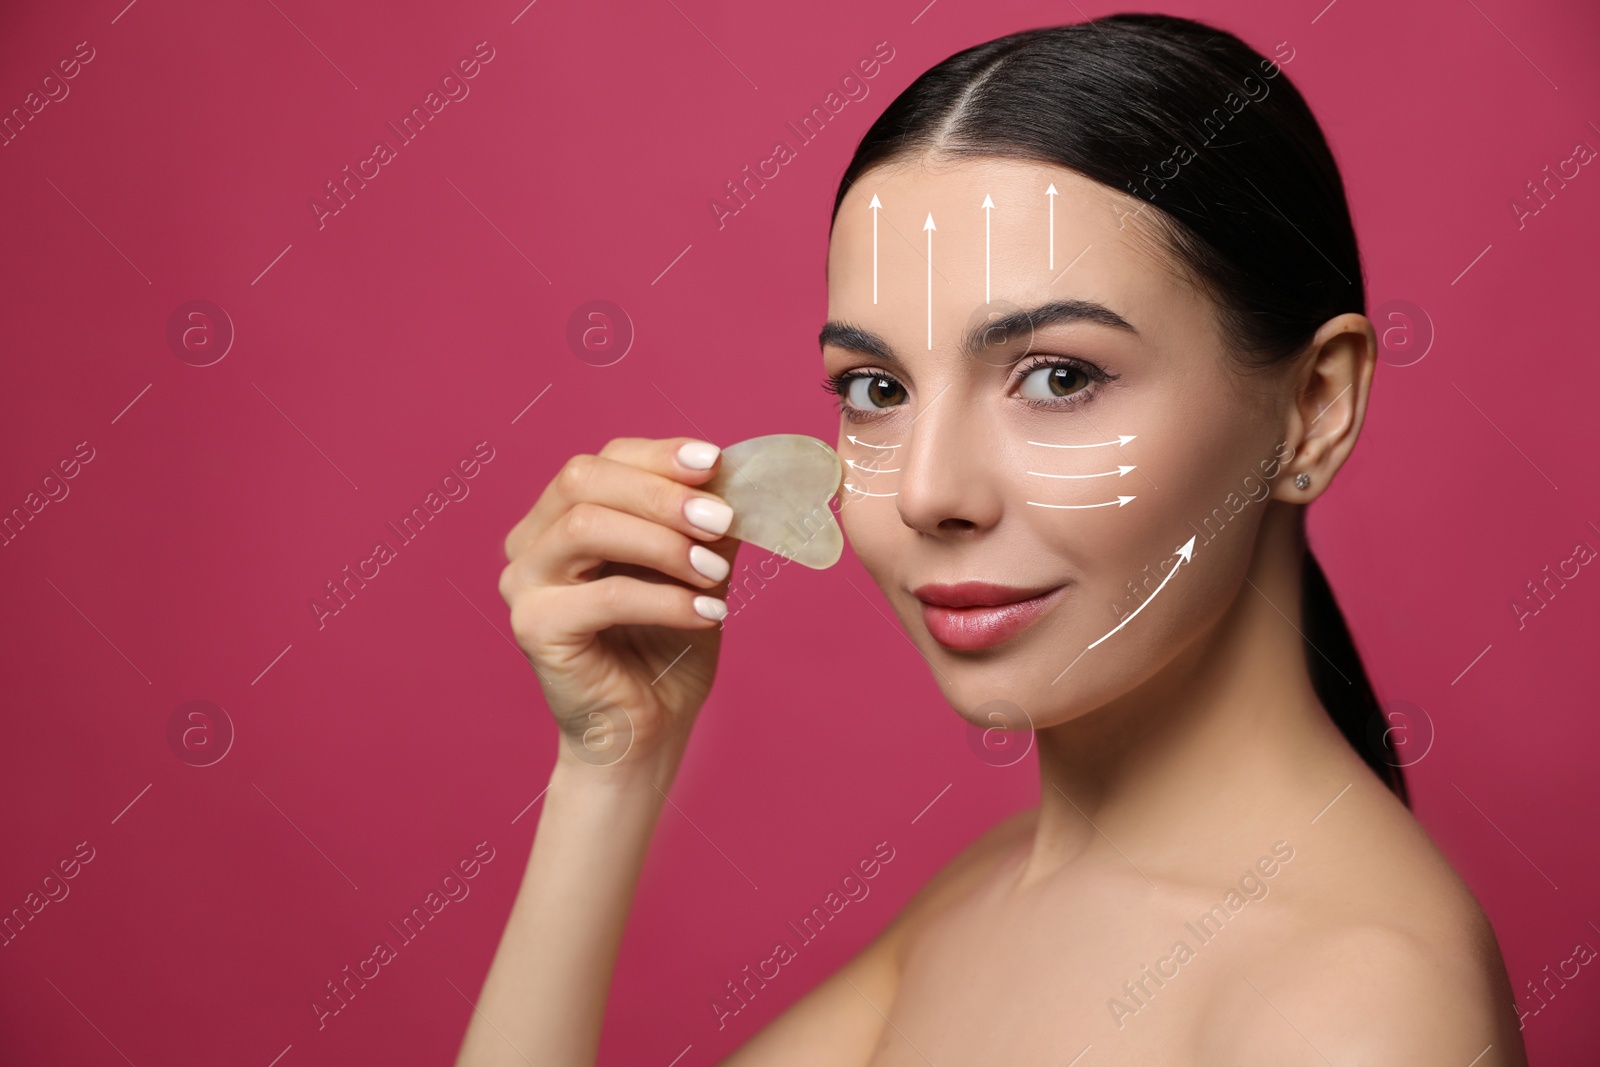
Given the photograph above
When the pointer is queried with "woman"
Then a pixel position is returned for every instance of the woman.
(1096, 327)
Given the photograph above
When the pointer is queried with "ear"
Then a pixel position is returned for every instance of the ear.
(1329, 405)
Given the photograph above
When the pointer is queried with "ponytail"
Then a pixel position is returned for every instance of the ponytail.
(1341, 681)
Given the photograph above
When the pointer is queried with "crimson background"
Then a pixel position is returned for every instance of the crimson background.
(373, 352)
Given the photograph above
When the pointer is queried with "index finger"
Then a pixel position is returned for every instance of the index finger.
(685, 459)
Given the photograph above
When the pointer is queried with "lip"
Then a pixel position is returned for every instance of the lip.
(974, 615)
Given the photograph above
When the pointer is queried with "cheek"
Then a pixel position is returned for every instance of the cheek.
(1126, 559)
(866, 522)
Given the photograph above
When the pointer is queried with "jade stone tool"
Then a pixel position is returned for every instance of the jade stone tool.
(780, 487)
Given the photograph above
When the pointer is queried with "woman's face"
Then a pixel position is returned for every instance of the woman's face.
(1072, 460)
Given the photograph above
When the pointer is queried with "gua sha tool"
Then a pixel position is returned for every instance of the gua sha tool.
(779, 487)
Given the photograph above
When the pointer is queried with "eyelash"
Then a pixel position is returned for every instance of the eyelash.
(839, 386)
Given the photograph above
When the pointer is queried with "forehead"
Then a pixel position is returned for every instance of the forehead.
(1087, 241)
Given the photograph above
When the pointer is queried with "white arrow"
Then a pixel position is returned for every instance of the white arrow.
(1121, 440)
(858, 441)
(1120, 472)
(988, 206)
(1052, 194)
(1121, 501)
(929, 227)
(875, 470)
(1186, 550)
(876, 207)
(863, 492)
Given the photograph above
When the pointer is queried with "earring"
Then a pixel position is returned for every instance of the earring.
(1302, 480)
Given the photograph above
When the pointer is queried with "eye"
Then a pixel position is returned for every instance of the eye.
(864, 391)
(1054, 381)
(1061, 382)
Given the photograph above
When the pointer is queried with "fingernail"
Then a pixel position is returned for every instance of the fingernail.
(712, 516)
(698, 455)
(708, 563)
(710, 607)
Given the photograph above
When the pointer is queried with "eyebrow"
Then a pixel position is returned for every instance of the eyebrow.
(855, 339)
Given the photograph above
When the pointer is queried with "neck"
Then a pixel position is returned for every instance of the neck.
(1200, 760)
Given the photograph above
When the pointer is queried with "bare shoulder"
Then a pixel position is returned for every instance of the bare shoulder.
(841, 1020)
(1384, 957)
(957, 878)
(1375, 993)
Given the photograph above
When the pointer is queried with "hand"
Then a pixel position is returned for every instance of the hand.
(603, 591)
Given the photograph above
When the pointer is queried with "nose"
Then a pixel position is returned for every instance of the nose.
(950, 487)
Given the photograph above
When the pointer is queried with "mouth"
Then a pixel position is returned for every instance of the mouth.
(974, 615)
